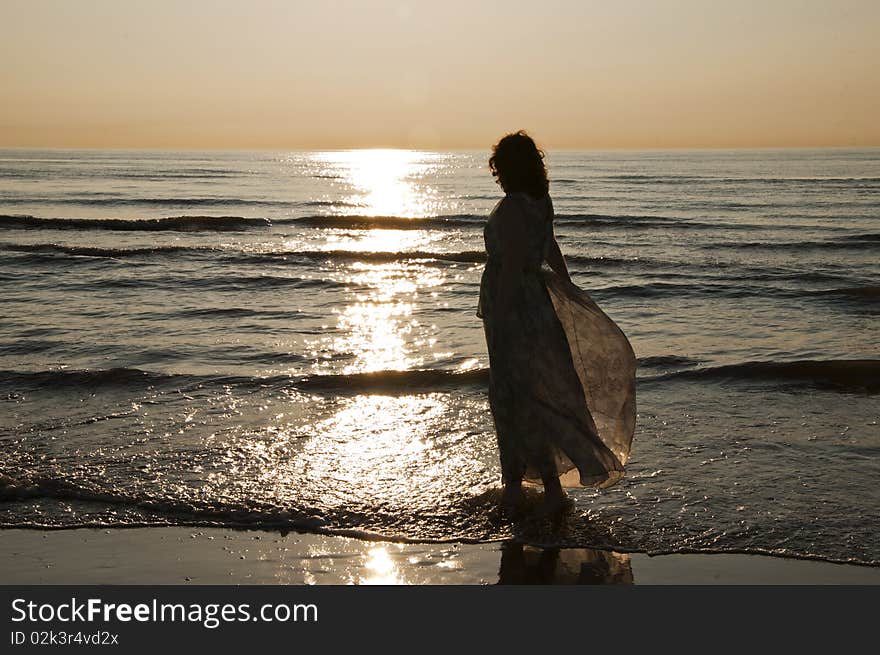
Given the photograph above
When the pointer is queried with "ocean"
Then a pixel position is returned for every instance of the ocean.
(287, 341)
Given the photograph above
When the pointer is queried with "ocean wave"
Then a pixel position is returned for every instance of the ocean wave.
(28, 346)
(111, 173)
(853, 242)
(667, 289)
(170, 511)
(145, 176)
(851, 375)
(866, 293)
(423, 380)
(102, 200)
(355, 222)
(639, 263)
(258, 257)
(88, 251)
(174, 223)
(871, 237)
(627, 221)
(864, 300)
(387, 382)
(718, 180)
(735, 287)
(846, 375)
(235, 312)
(349, 222)
(469, 256)
(325, 203)
(667, 361)
(247, 256)
(735, 274)
(638, 177)
(229, 282)
(123, 377)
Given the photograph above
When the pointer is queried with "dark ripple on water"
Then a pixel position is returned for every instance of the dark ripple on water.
(843, 375)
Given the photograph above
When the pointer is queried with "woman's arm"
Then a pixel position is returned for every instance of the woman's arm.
(552, 253)
(553, 257)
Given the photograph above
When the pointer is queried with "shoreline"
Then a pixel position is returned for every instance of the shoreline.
(210, 556)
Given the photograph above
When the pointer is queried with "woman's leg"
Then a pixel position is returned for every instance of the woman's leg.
(554, 497)
(512, 469)
(513, 493)
(508, 422)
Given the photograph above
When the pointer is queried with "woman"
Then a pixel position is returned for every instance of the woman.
(562, 374)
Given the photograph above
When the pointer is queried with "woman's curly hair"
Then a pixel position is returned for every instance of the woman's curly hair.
(518, 165)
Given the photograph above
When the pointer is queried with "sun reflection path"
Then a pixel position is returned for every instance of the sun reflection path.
(386, 182)
(377, 331)
(381, 569)
(383, 240)
(392, 456)
(377, 445)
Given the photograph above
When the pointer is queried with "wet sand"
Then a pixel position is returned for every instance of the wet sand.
(177, 555)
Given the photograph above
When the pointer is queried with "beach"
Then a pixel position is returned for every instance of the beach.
(203, 556)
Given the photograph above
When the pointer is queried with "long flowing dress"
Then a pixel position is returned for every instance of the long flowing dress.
(562, 374)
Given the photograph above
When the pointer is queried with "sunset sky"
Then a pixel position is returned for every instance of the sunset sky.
(452, 74)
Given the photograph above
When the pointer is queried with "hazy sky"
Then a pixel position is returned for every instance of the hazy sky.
(450, 73)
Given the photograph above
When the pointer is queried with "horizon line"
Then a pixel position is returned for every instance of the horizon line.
(429, 149)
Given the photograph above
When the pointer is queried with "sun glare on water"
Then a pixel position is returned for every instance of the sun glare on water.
(385, 182)
(381, 569)
(376, 329)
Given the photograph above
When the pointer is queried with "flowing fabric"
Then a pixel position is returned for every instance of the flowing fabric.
(562, 373)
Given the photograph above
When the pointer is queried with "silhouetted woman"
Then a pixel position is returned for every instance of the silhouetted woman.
(562, 374)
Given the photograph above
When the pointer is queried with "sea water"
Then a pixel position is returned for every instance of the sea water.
(288, 341)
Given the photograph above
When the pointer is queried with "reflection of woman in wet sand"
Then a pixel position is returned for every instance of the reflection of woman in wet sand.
(562, 374)
(523, 564)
